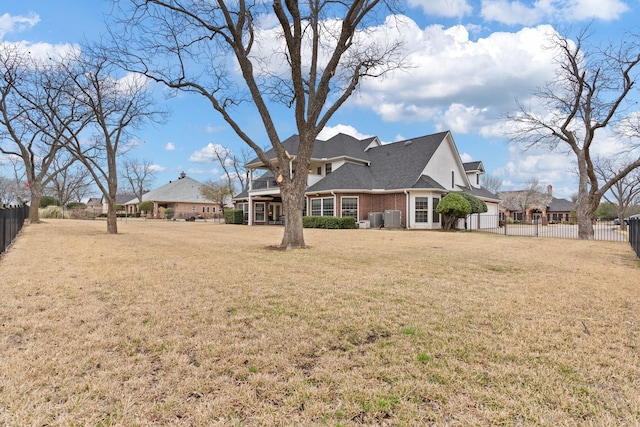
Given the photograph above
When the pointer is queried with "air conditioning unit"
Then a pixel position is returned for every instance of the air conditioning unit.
(376, 219)
(391, 219)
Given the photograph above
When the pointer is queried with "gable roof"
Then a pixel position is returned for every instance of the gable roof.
(473, 166)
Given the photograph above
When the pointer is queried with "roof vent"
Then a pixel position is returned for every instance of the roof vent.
(407, 143)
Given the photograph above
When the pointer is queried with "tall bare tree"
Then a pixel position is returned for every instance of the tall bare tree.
(623, 193)
(320, 53)
(118, 103)
(591, 92)
(138, 176)
(33, 110)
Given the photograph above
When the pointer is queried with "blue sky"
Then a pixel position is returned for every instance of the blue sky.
(470, 60)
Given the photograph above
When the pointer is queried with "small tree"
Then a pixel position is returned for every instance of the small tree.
(217, 192)
(452, 207)
(145, 207)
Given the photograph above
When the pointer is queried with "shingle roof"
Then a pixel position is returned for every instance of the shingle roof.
(560, 205)
(186, 190)
(473, 166)
(349, 176)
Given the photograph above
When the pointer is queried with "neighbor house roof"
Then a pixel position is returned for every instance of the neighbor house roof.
(560, 205)
(182, 190)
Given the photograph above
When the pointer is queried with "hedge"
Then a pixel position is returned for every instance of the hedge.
(233, 216)
(332, 222)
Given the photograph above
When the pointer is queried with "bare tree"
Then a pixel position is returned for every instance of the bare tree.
(624, 192)
(591, 93)
(138, 175)
(217, 191)
(71, 182)
(118, 103)
(321, 53)
(33, 109)
(233, 167)
(491, 183)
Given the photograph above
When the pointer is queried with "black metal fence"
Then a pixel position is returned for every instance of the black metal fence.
(634, 235)
(602, 230)
(11, 222)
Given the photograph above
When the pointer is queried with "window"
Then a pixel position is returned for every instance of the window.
(322, 207)
(316, 207)
(319, 170)
(193, 208)
(327, 207)
(349, 207)
(422, 209)
(327, 168)
(477, 179)
(435, 215)
(453, 179)
(245, 211)
(258, 215)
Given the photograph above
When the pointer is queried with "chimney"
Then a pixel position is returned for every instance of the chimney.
(550, 190)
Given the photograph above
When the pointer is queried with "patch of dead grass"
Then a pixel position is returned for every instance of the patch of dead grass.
(174, 323)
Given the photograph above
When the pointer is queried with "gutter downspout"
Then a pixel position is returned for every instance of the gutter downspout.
(408, 204)
(334, 202)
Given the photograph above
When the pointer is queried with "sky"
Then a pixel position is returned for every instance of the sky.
(468, 62)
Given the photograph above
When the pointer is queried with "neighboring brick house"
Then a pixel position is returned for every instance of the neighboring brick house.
(183, 196)
(353, 177)
(540, 207)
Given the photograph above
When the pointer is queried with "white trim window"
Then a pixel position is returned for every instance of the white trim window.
(435, 215)
(259, 210)
(349, 207)
(322, 206)
(422, 209)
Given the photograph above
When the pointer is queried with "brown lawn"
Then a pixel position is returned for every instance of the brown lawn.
(197, 324)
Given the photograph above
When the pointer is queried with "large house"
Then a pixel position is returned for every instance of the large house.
(540, 207)
(366, 179)
(183, 195)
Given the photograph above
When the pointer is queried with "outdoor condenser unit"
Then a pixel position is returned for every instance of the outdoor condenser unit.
(391, 219)
(376, 219)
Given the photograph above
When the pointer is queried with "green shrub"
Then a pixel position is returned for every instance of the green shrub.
(48, 201)
(453, 206)
(169, 213)
(233, 216)
(328, 222)
(477, 205)
(51, 211)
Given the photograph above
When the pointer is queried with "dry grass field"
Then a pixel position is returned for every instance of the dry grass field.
(201, 324)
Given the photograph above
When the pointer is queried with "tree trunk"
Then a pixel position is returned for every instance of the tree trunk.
(292, 203)
(36, 194)
(34, 215)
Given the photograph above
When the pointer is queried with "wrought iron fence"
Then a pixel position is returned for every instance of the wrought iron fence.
(11, 222)
(634, 235)
(602, 230)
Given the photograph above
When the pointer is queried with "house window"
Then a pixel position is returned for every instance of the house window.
(422, 209)
(193, 208)
(478, 179)
(322, 206)
(327, 168)
(453, 179)
(319, 170)
(435, 215)
(258, 215)
(245, 211)
(349, 207)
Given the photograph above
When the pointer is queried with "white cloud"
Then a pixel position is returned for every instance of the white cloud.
(446, 8)
(331, 131)
(206, 154)
(157, 168)
(520, 13)
(9, 23)
(458, 83)
(466, 157)
(170, 146)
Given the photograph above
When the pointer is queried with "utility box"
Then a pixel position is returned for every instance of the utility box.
(364, 223)
(391, 219)
(376, 219)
